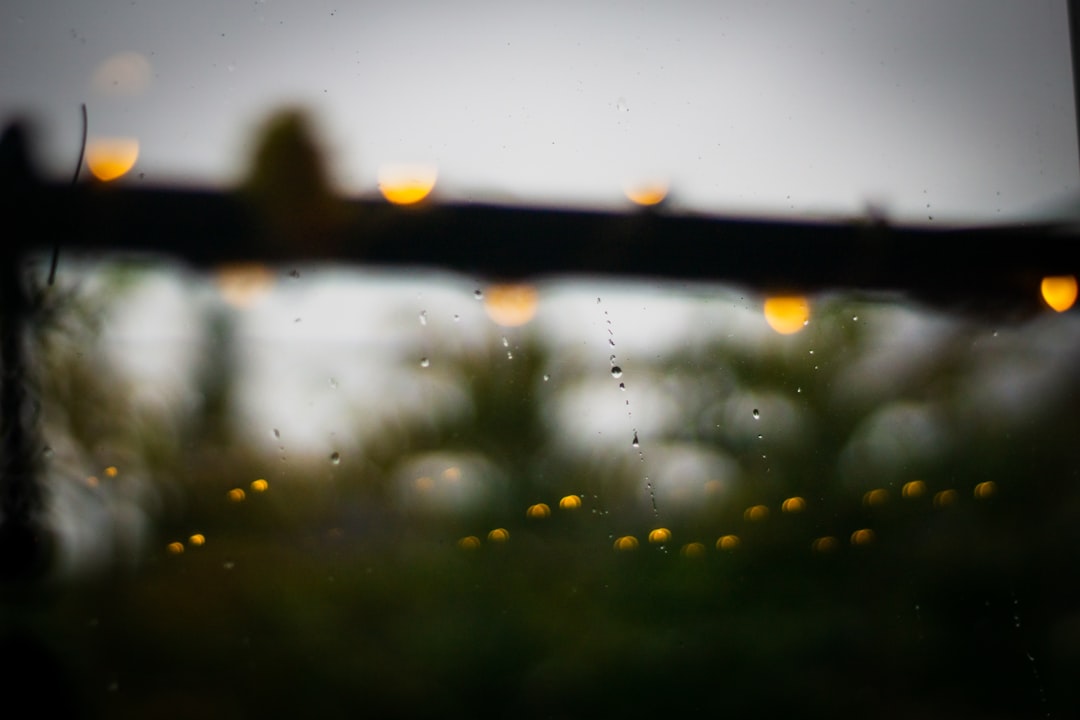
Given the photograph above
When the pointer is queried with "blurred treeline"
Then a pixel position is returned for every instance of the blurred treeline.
(375, 586)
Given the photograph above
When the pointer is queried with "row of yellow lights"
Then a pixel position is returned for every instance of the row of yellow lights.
(755, 513)
(234, 495)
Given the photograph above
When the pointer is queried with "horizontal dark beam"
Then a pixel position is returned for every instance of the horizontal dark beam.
(998, 266)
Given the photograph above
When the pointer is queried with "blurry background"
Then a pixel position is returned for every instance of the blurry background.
(326, 490)
(960, 110)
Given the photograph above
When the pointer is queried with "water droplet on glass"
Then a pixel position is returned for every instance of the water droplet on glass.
(457, 318)
(333, 383)
(757, 415)
(611, 359)
(335, 458)
(505, 342)
(424, 362)
(478, 294)
(622, 386)
(635, 441)
(423, 317)
(47, 451)
(616, 372)
(277, 433)
(509, 355)
(611, 342)
(759, 437)
(294, 273)
(854, 318)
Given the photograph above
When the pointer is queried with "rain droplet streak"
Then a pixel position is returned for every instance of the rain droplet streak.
(335, 458)
(617, 373)
(423, 317)
(424, 362)
(757, 415)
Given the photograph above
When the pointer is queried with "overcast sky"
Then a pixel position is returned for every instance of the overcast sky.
(788, 106)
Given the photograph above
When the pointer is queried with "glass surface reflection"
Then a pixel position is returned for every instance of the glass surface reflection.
(876, 511)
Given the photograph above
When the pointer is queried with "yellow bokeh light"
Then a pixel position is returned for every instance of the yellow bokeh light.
(92, 481)
(728, 542)
(756, 513)
(510, 305)
(876, 497)
(985, 490)
(242, 285)
(499, 535)
(406, 184)
(787, 314)
(470, 542)
(236, 495)
(111, 158)
(945, 498)
(570, 502)
(175, 548)
(452, 473)
(1059, 291)
(793, 505)
(259, 485)
(865, 536)
(626, 542)
(660, 535)
(647, 194)
(111, 471)
(825, 544)
(424, 484)
(198, 539)
(538, 511)
(913, 489)
(692, 550)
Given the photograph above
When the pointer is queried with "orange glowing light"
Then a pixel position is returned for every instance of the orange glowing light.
(793, 505)
(499, 535)
(692, 550)
(242, 285)
(985, 490)
(424, 484)
(111, 158)
(259, 485)
(452, 473)
(728, 542)
(198, 539)
(570, 502)
(175, 548)
(470, 542)
(660, 535)
(626, 542)
(647, 194)
(236, 495)
(876, 497)
(1059, 291)
(538, 511)
(406, 184)
(913, 489)
(865, 536)
(510, 305)
(825, 544)
(787, 314)
(111, 471)
(945, 498)
(93, 481)
(756, 513)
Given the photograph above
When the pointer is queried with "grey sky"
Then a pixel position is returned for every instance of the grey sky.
(793, 107)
